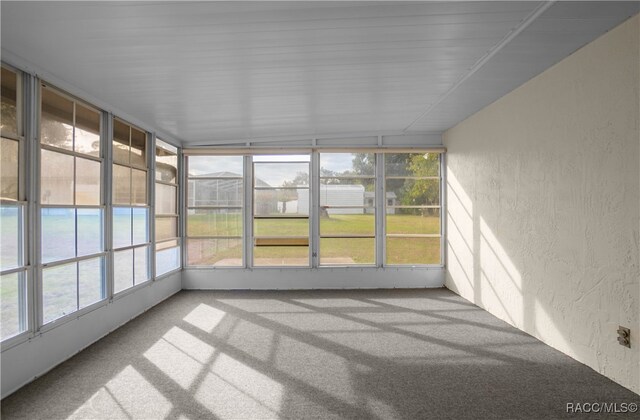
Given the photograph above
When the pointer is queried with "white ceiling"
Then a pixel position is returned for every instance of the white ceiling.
(207, 73)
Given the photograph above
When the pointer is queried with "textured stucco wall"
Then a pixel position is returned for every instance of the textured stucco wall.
(543, 197)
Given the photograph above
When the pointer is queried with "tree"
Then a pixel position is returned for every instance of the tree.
(286, 195)
(422, 190)
(364, 164)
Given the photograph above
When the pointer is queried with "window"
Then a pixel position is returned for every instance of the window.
(412, 220)
(13, 264)
(167, 238)
(215, 199)
(130, 211)
(72, 208)
(347, 210)
(281, 204)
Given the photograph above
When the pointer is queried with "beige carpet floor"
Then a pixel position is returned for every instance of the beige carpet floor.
(385, 354)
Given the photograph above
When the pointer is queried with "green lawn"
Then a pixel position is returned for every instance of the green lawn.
(401, 250)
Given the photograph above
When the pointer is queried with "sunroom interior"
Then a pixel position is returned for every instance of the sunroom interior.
(319, 209)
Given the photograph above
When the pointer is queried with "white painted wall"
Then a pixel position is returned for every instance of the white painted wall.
(543, 196)
(30, 359)
(316, 278)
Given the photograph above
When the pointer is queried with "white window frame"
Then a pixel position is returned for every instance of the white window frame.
(24, 268)
(42, 326)
(174, 150)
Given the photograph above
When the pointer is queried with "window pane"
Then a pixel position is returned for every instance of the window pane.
(87, 182)
(121, 227)
(281, 227)
(166, 166)
(9, 116)
(216, 166)
(216, 252)
(413, 192)
(121, 185)
(347, 164)
(224, 222)
(215, 192)
(347, 251)
(120, 142)
(138, 147)
(139, 187)
(10, 232)
(122, 270)
(278, 174)
(140, 226)
(416, 221)
(280, 255)
(166, 244)
(8, 169)
(347, 192)
(347, 222)
(87, 133)
(281, 202)
(56, 173)
(89, 231)
(407, 251)
(59, 291)
(167, 260)
(166, 196)
(141, 264)
(166, 228)
(56, 120)
(412, 164)
(58, 234)
(91, 281)
(12, 304)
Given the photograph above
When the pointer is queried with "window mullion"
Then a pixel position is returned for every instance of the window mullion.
(151, 201)
(107, 147)
(247, 212)
(314, 219)
(380, 210)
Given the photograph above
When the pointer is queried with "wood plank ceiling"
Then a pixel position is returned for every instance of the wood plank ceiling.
(211, 72)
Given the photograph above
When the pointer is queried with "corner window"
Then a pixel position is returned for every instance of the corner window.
(412, 192)
(166, 208)
(215, 200)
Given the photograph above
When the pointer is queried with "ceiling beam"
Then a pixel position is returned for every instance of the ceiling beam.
(542, 7)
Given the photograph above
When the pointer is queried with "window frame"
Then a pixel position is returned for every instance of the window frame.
(24, 268)
(43, 326)
(158, 143)
(374, 207)
(149, 244)
(187, 207)
(380, 204)
(312, 254)
(439, 206)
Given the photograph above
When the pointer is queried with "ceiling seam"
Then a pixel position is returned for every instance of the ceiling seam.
(542, 7)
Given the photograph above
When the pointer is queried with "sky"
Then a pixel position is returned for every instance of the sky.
(273, 174)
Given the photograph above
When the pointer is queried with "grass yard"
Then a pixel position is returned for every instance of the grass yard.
(400, 250)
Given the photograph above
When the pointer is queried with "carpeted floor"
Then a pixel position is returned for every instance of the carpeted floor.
(384, 354)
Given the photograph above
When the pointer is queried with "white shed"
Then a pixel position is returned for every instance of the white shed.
(335, 195)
